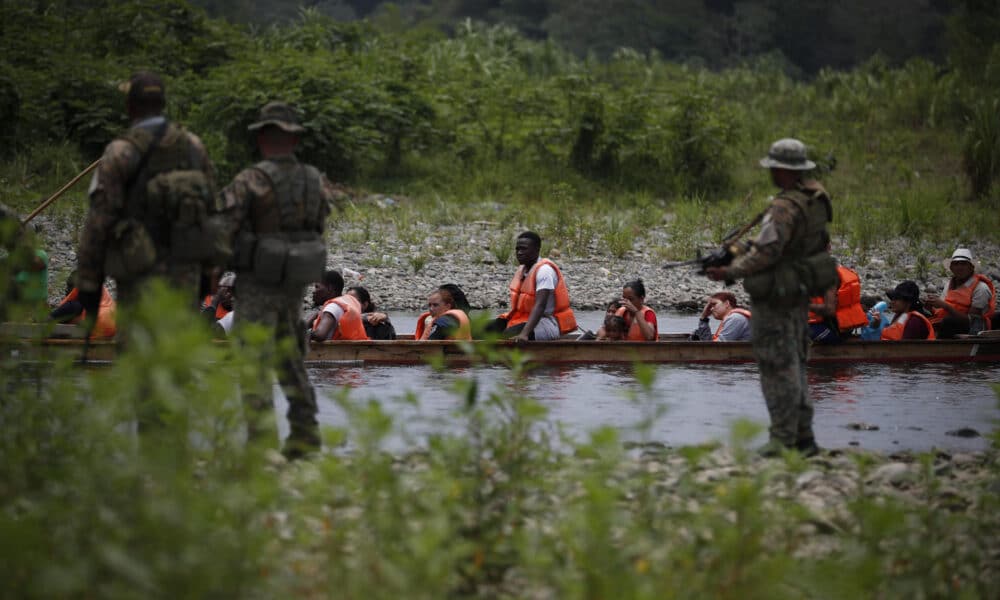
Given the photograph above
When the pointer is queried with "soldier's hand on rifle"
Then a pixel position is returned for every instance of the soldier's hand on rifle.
(717, 273)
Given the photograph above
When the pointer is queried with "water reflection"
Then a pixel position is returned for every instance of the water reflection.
(912, 406)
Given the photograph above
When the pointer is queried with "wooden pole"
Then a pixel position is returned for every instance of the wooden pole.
(61, 191)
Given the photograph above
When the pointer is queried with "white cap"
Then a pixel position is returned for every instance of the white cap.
(961, 254)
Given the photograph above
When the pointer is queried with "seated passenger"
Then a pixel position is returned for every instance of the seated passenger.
(340, 317)
(220, 303)
(734, 322)
(908, 321)
(614, 329)
(836, 314)
(377, 324)
(969, 299)
(539, 298)
(70, 310)
(461, 302)
(442, 321)
(640, 320)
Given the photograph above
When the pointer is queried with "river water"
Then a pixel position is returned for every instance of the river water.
(872, 406)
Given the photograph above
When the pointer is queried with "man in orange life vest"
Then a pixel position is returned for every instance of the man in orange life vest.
(833, 316)
(969, 299)
(217, 305)
(539, 299)
(340, 317)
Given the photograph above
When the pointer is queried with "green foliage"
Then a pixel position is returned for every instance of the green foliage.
(981, 150)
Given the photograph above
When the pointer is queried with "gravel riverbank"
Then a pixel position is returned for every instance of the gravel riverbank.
(462, 254)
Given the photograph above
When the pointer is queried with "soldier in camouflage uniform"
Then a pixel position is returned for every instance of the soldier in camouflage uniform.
(152, 146)
(278, 197)
(794, 226)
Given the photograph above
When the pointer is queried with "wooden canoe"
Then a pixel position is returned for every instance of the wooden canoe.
(671, 348)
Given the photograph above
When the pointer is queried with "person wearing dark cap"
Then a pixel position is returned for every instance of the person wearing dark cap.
(278, 210)
(969, 299)
(909, 321)
(134, 229)
(792, 229)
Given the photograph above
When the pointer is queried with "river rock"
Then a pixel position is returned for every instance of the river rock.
(893, 473)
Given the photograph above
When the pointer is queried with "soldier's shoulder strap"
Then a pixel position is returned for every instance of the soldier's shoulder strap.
(145, 140)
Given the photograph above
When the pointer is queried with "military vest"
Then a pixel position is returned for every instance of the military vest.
(285, 247)
(171, 212)
(805, 268)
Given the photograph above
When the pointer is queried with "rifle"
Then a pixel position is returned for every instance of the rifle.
(722, 256)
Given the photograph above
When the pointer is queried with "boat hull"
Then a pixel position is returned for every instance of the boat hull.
(410, 352)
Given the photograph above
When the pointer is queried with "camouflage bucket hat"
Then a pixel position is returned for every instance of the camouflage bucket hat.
(787, 153)
(280, 115)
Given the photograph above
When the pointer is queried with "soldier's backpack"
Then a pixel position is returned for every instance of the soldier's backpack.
(171, 209)
(295, 255)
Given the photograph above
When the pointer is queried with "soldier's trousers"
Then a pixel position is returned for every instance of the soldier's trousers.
(780, 339)
(133, 308)
(284, 346)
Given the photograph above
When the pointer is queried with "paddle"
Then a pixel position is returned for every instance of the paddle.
(61, 191)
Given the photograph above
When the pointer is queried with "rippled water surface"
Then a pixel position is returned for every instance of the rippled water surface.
(912, 406)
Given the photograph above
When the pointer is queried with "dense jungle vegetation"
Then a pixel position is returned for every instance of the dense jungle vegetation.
(904, 142)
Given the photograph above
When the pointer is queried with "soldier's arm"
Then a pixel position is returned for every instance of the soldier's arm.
(776, 230)
(235, 198)
(203, 159)
(107, 202)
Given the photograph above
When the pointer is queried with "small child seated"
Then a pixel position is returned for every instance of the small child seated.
(614, 328)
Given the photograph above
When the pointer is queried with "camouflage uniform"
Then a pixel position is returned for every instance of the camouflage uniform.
(115, 185)
(254, 207)
(779, 328)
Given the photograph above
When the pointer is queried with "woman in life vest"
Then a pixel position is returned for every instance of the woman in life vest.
(340, 315)
(734, 321)
(969, 299)
(443, 320)
(908, 322)
(377, 324)
(640, 320)
(835, 315)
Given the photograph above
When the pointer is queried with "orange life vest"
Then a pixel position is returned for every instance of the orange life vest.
(961, 299)
(220, 311)
(894, 331)
(105, 326)
(738, 311)
(350, 326)
(850, 314)
(634, 333)
(522, 297)
(464, 331)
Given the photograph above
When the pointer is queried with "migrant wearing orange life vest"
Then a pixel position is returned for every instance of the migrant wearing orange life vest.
(894, 331)
(850, 314)
(634, 333)
(522, 298)
(349, 326)
(738, 311)
(220, 311)
(463, 332)
(105, 326)
(961, 299)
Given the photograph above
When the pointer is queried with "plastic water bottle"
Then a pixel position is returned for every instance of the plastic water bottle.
(878, 318)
